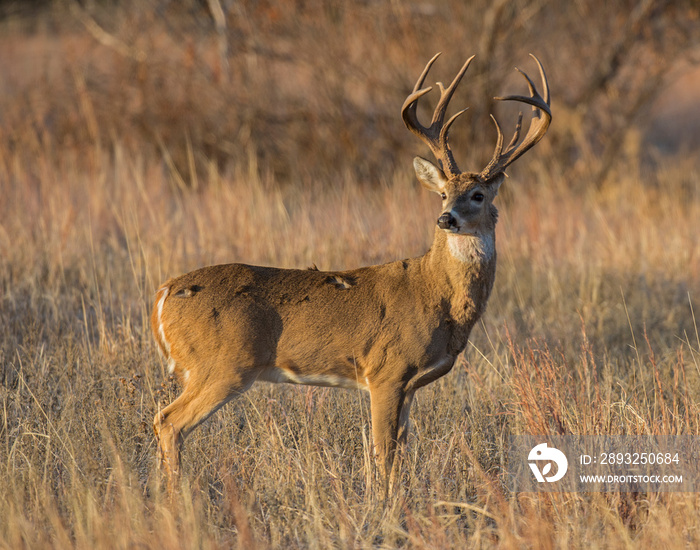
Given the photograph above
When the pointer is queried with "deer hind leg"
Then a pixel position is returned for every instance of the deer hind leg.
(169, 441)
(389, 426)
(197, 403)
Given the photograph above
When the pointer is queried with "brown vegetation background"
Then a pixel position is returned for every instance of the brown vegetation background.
(140, 139)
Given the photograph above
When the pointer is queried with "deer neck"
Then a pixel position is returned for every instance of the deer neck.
(461, 270)
(458, 256)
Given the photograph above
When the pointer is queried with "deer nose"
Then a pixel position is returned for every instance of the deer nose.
(446, 220)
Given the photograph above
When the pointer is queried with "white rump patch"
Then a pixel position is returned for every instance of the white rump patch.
(161, 330)
(471, 248)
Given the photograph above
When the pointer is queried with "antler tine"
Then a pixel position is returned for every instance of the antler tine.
(446, 126)
(435, 135)
(499, 146)
(446, 95)
(541, 118)
(424, 74)
(409, 108)
(516, 134)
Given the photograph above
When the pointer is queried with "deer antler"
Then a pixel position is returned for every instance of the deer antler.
(541, 118)
(435, 135)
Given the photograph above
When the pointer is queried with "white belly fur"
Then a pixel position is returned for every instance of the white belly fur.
(278, 376)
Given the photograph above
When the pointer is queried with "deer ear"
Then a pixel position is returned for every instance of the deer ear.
(496, 182)
(429, 175)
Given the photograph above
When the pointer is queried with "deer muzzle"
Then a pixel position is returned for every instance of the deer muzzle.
(446, 221)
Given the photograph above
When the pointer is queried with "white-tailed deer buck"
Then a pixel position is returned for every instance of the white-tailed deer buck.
(388, 329)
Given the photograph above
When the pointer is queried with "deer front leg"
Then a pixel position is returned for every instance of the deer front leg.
(387, 405)
(401, 440)
(404, 421)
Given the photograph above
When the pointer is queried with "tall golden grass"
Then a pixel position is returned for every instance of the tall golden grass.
(115, 174)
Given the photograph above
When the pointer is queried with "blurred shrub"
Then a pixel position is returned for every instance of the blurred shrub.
(312, 89)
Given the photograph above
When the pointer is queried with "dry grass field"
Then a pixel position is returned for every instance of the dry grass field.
(136, 143)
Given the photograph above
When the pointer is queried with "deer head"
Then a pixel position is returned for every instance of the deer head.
(467, 196)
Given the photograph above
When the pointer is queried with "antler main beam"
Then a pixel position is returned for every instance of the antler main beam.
(541, 118)
(435, 135)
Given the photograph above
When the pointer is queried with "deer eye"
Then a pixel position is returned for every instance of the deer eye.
(443, 195)
(478, 197)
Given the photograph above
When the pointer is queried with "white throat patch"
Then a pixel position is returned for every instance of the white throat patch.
(471, 248)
